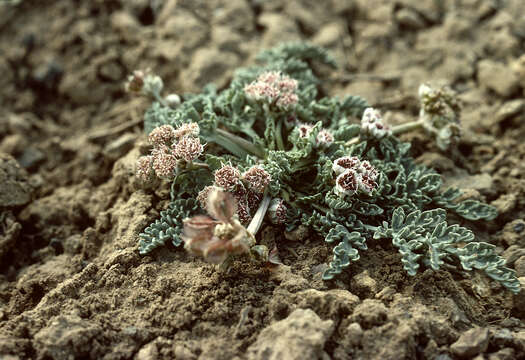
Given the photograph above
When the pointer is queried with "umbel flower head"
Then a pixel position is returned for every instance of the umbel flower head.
(353, 175)
(145, 167)
(170, 148)
(277, 211)
(162, 135)
(372, 124)
(256, 179)
(144, 82)
(347, 183)
(188, 148)
(440, 111)
(227, 177)
(219, 236)
(164, 161)
(324, 138)
(274, 88)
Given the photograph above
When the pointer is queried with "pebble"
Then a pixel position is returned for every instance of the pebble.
(364, 284)
(519, 265)
(509, 110)
(302, 335)
(471, 343)
(497, 77)
(14, 183)
(409, 19)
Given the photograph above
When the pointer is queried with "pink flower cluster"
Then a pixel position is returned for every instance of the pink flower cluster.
(247, 188)
(277, 211)
(169, 147)
(274, 88)
(324, 137)
(372, 124)
(353, 175)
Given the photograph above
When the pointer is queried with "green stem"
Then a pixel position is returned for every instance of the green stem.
(159, 98)
(244, 144)
(370, 227)
(229, 145)
(258, 218)
(279, 135)
(406, 127)
(396, 130)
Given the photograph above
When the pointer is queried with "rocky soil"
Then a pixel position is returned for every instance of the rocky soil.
(72, 284)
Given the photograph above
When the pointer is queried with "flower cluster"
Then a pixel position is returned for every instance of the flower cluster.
(353, 175)
(372, 124)
(170, 147)
(324, 137)
(219, 236)
(440, 110)
(246, 188)
(144, 82)
(277, 211)
(274, 88)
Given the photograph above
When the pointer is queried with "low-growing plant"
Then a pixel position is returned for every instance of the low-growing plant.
(270, 147)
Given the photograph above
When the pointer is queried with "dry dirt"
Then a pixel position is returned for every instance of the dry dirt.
(72, 284)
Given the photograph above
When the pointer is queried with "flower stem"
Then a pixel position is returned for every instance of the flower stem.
(406, 127)
(229, 145)
(396, 130)
(279, 135)
(242, 143)
(257, 220)
(159, 98)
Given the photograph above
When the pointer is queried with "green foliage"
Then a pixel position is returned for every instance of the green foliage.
(407, 205)
(168, 227)
(425, 237)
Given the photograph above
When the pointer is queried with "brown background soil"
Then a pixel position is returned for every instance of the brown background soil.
(72, 285)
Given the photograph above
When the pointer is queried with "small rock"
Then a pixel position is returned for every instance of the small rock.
(329, 35)
(443, 357)
(332, 304)
(479, 182)
(31, 158)
(226, 39)
(513, 233)
(125, 24)
(302, 335)
(370, 313)
(509, 109)
(519, 265)
(497, 77)
(501, 338)
(387, 294)
(505, 203)
(279, 28)
(409, 19)
(503, 354)
(353, 335)
(518, 309)
(148, 352)
(183, 353)
(513, 253)
(120, 146)
(209, 65)
(436, 161)
(471, 343)
(14, 183)
(47, 76)
(519, 66)
(298, 234)
(364, 284)
(112, 71)
(67, 336)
